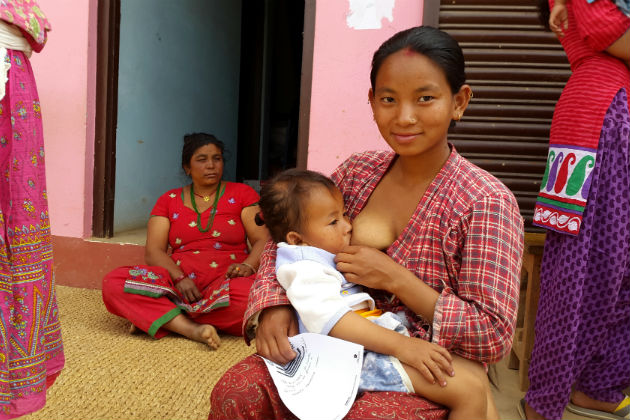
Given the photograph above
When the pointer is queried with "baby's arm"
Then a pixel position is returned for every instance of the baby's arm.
(431, 361)
(559, 18)
(314, 292)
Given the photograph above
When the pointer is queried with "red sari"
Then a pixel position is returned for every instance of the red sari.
(147, 296)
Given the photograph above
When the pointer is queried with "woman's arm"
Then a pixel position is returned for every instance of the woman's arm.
(558, 18)
(269, 317)
(476, 315)
(257, 236)
(157, 245)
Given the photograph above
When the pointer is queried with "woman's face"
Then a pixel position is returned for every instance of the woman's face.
(413, 104)
(206, 165)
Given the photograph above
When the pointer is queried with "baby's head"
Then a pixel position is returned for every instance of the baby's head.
(304, 207)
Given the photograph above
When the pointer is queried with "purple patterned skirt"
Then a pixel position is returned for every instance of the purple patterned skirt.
(582, 325)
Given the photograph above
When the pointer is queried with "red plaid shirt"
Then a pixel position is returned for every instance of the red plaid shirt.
(465, 240)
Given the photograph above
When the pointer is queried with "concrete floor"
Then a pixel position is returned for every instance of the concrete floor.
(507, 394)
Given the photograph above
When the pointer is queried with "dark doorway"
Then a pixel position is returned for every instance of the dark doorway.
(272, 42)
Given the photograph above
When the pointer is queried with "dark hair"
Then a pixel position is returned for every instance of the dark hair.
(437, 45)
(543, 13)
(283, 200)
(194, 141)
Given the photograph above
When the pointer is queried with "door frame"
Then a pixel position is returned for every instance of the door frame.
(431, 13)
(107, 49)
(306, 83)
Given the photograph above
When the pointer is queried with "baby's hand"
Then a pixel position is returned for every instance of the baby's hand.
(433, 361)
(559, 19)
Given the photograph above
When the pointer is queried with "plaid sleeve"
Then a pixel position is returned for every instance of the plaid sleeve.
(265, 292)
(477, 321)
(600, 23)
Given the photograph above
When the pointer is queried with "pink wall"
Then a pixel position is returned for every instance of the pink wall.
(341, 120)
(61, 72)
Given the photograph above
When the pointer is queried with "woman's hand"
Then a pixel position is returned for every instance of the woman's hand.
(374, 269)
(188, 289)
(368, 267)
(275, 325)
(559, 20)
(239, 270)
(433, 361)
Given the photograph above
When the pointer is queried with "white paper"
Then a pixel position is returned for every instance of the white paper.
(321, 382)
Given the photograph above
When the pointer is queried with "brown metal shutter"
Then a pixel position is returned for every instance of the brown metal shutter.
(517, 71)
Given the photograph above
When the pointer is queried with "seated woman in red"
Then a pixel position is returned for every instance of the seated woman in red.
(203, 285)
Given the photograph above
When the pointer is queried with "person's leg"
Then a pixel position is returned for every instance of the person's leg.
(229, 319)
(153, 315)
(146, 313)
(246, 391)
(600, 385)
(581, 277)
(466, 393)
(603, 379)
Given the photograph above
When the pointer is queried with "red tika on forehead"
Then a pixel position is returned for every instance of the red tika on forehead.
(409, 52)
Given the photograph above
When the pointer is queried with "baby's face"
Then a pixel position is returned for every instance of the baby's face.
(326, 225)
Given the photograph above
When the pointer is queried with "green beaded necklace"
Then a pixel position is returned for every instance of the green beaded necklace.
(212, 213)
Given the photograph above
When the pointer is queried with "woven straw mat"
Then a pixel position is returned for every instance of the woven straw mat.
(111, 374)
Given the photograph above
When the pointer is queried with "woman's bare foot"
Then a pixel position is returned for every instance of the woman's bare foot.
(133, 329)
(582, 400)
(203, 333)
(207, 334)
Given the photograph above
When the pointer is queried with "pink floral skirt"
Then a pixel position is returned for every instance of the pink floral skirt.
(31, 351)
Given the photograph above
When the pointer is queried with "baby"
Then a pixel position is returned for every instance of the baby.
(304, 213)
